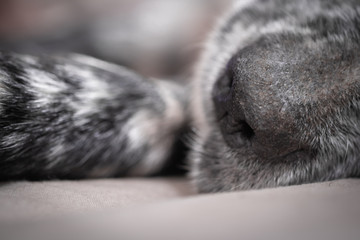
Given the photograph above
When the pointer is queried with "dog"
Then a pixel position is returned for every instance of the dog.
(275, 101)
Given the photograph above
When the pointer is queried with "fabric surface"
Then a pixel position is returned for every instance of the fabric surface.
(21, 201)
(328, 210)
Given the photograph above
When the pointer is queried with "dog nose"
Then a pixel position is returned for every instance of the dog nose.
(248, 114)
(230, 116)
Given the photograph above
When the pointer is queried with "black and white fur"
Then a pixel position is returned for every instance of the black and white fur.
(74, 117)
(275, 101)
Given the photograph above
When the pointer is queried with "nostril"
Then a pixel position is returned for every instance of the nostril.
(229, 113)
(236, 133)
(247, 131)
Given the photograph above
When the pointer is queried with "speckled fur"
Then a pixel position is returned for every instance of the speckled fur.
(275, 101)
(75, 117)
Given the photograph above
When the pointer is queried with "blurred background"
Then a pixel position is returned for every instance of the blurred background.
(157, 38)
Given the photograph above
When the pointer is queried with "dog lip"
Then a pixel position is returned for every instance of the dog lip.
(286, 156)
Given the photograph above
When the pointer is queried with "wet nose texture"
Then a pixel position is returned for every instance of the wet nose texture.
(248, 115)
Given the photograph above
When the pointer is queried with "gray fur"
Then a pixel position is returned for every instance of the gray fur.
(73, 117)
(279, 97)
(275, 101)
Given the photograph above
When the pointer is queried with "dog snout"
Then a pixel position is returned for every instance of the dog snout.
(247, 114)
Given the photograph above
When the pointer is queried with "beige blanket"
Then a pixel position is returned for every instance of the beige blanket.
(168, 209)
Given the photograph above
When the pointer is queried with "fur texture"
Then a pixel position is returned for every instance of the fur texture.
(74, 117)
(275, 101)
